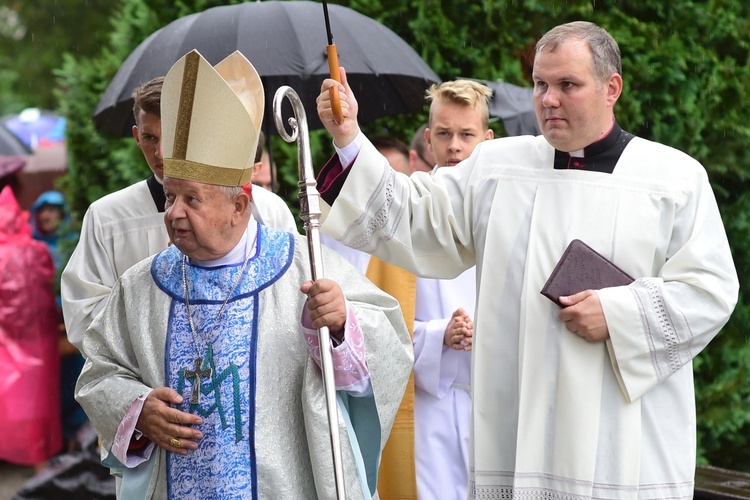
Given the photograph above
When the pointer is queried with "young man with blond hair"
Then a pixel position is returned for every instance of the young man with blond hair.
(443, 326)
(459, 120)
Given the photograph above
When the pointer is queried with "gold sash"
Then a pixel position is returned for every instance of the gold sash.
(397, 479)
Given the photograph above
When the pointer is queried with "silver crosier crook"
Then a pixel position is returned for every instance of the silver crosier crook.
(309, 201)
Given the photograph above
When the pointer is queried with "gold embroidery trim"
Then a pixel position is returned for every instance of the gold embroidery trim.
(185, 111)
(208, 174)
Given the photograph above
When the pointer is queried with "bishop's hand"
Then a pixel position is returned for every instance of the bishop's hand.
(326, 304)
(166, 426)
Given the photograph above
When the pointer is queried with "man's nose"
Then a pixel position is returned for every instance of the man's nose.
(159, 153)
(174, 211)
(550, 99)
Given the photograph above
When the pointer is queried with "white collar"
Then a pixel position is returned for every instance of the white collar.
(236, 255)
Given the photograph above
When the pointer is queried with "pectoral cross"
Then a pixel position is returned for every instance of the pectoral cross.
(196, 375)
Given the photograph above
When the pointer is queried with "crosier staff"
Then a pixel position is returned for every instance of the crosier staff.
(309, 201)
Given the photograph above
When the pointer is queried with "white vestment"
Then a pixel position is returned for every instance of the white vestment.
(118, 231)
(358, 259)
(127, 345)
(442, 389)
(555, 416)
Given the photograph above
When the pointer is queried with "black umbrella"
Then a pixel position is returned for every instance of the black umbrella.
(286, 42)
(514, 105)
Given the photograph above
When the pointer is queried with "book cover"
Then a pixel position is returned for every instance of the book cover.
(582, 268)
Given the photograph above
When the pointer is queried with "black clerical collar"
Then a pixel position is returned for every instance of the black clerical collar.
(601, 156)
(157, 193)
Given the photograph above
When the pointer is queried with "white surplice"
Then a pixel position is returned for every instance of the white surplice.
(120, 230)
(555, 416)
(442, 389)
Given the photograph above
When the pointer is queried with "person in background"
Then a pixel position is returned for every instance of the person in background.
(202, 379)
(443, 326)
(30, 424)
(590, 400)
(421, 158)
(264, 174)
(49, 219)
(453, 128)
(47, 213)
(395, 151)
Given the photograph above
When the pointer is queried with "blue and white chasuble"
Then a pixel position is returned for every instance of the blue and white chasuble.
(263, 405)
(224, 464)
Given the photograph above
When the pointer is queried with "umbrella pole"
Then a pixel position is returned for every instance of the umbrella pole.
(309, 199)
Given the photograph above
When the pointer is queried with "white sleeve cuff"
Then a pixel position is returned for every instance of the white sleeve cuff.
(349, 153)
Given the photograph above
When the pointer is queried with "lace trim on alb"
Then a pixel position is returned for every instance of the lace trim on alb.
(666, 327)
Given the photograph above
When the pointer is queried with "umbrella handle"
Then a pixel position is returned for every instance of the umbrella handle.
(333, 67)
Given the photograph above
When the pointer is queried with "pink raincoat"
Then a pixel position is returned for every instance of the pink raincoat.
(30, 424)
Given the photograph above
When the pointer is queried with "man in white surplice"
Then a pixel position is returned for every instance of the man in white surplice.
(594, 400)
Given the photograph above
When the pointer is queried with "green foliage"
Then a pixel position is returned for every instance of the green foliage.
(685, 66)
(98, 163)
(33, 37)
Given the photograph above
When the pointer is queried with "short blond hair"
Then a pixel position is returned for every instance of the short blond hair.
(464, 92)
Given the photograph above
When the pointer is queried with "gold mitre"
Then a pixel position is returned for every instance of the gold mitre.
(210, 118)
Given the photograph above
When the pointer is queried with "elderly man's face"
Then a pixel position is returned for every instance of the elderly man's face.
(201, 220)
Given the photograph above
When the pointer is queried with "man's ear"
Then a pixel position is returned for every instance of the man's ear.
(241, 203)
(136, 136)
(614, 88)
(413, 157)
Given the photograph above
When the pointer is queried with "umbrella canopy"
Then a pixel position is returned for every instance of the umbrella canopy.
(11, 165)
(10, 145)
(514, 105)
(36, 127)
(286, 43)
